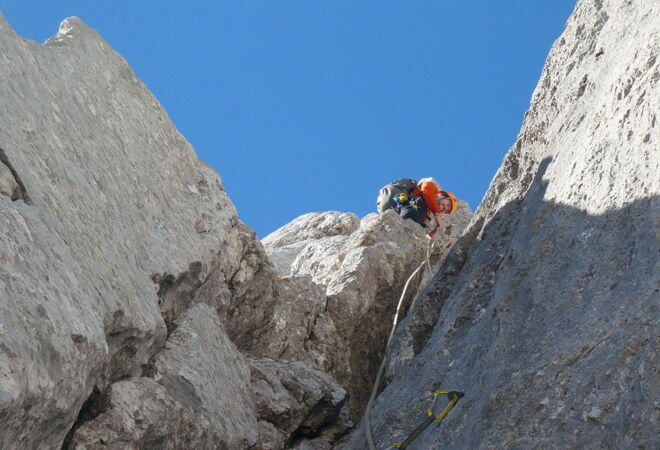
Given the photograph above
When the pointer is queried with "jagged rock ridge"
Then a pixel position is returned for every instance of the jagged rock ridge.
(128, 284)
(545, 313)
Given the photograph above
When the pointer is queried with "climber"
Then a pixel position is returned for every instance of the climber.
(415, 200)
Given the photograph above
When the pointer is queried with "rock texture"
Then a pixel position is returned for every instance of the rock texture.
(285, 244)
(358, 271)
(137, 311)
(129, 287)
(197, 395)
(292, 399)
(545, 311)
(110, 227)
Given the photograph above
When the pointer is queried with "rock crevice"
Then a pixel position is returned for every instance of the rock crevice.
(10, 183)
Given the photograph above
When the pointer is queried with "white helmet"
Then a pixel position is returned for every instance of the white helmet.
(432, 180)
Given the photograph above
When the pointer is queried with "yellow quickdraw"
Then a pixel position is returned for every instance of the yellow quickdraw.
(454, 396)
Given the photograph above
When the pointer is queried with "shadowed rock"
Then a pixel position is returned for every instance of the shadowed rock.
(544, 313)
(294, 401)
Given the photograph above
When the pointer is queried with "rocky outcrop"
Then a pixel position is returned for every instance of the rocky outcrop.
(243, 288)
(112, 229)
(295, 402)
(197, 395)
(285, 243)
(298, 316)
(130, 290)
(137, 311)
(359, 276)
(200, 392)
(544, 312)
(79, 308)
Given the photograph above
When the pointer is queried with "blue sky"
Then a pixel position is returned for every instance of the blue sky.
(306, 105)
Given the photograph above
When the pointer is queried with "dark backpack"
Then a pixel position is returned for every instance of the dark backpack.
(414, 209)
(386, 195)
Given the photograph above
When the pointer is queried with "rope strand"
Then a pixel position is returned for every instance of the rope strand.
(395, 321)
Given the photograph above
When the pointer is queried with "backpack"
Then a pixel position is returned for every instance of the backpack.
(415, 209)
(386, 195)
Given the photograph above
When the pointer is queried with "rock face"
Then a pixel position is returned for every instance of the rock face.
(93, 222)
(285, 244)
(285, 393)
(197, 395)
(545, 311)
(110, 227)
(130, 292)
(358, 269)
(137, 311)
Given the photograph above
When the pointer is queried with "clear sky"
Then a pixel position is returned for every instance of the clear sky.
(309, 105)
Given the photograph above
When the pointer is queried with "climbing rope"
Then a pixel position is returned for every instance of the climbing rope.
(395, 322)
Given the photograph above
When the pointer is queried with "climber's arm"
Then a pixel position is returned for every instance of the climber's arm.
(439, 225)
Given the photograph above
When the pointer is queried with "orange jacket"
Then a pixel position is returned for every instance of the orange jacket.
(428, 189)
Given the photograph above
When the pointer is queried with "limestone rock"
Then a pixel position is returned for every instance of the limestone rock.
(330, 435)
(111, 227)
(294, 400)
(284, 244)
(314, 225)
(128, 284)
(362, 274)
(7, 183)
(362, 296)
(198, 396)
(242, 286)
(545, 311)
(118, 239)
(319, 259)
(297, 314)
(114, 231)
(9, 186)
(305, 246)
(202, 368)
(141, 414)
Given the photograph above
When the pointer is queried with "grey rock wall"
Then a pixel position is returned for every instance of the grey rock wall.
(285, 243)
(197, 394)
(546, 309)
(355, 272)
(294, 400)
(110, 225)
(129, 287)
(131, 293)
